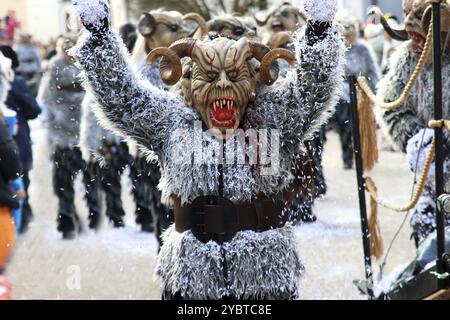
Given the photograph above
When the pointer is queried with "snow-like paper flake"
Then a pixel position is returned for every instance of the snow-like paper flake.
(320, 10)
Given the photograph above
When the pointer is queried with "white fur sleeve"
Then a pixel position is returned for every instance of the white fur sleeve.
(306, 99)
(129, 106)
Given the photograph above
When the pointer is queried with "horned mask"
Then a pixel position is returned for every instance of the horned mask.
(417, 20)
(222, 77)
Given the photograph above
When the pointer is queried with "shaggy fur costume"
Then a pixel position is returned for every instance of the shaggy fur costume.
(297, 107)
(405, 126)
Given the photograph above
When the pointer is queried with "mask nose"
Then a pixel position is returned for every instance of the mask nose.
(223, 82)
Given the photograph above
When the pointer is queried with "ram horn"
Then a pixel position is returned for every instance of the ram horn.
(267, 64)
(199, 20)
(400, 35)
(268, 70)
(170, 66)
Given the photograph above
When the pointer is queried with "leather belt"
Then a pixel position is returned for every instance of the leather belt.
(217, 218)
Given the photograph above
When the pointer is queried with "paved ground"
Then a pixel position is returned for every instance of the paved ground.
(118, 264)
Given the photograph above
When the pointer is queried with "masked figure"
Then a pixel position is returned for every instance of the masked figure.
(282, 18)
(61, 95)
(230, 238)
(407, 125)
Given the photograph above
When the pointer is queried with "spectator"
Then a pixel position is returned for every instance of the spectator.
(9, 170)
(21, 100)
(11, 25)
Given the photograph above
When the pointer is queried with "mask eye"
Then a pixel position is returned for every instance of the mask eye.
(238, 31)
(211, 75)
(232, 74)
(285, 13)
(174, 28)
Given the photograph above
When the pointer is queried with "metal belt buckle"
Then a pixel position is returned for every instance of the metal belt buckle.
(209, 217)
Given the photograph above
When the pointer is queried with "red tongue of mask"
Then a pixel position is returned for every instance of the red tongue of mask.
(223, 114)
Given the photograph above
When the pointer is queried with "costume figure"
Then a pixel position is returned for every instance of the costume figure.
(61, 96)
(106, 157)
(407, 125)
(230, 238)
(280, 21)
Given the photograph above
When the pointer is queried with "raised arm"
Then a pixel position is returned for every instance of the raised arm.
(305, 100)
(125, 104)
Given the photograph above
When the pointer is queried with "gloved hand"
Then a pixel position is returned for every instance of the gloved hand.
(93, 14)
(320, 15)
(320, 10)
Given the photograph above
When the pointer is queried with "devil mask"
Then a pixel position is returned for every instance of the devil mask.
(222, 78)
(417, 21)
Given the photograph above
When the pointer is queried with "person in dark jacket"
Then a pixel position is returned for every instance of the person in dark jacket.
(9, 170)
(21, 100)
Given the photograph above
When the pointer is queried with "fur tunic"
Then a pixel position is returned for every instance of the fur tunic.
(407, 126)
(61, 96)
(296, 107)
(403, 123)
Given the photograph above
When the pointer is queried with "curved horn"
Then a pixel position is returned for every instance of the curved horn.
(268, 61)
(260, 22)
(268, 69)
(400, 35)
(146, 24)
(199, 20)
(170, 66)
(258, 50)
